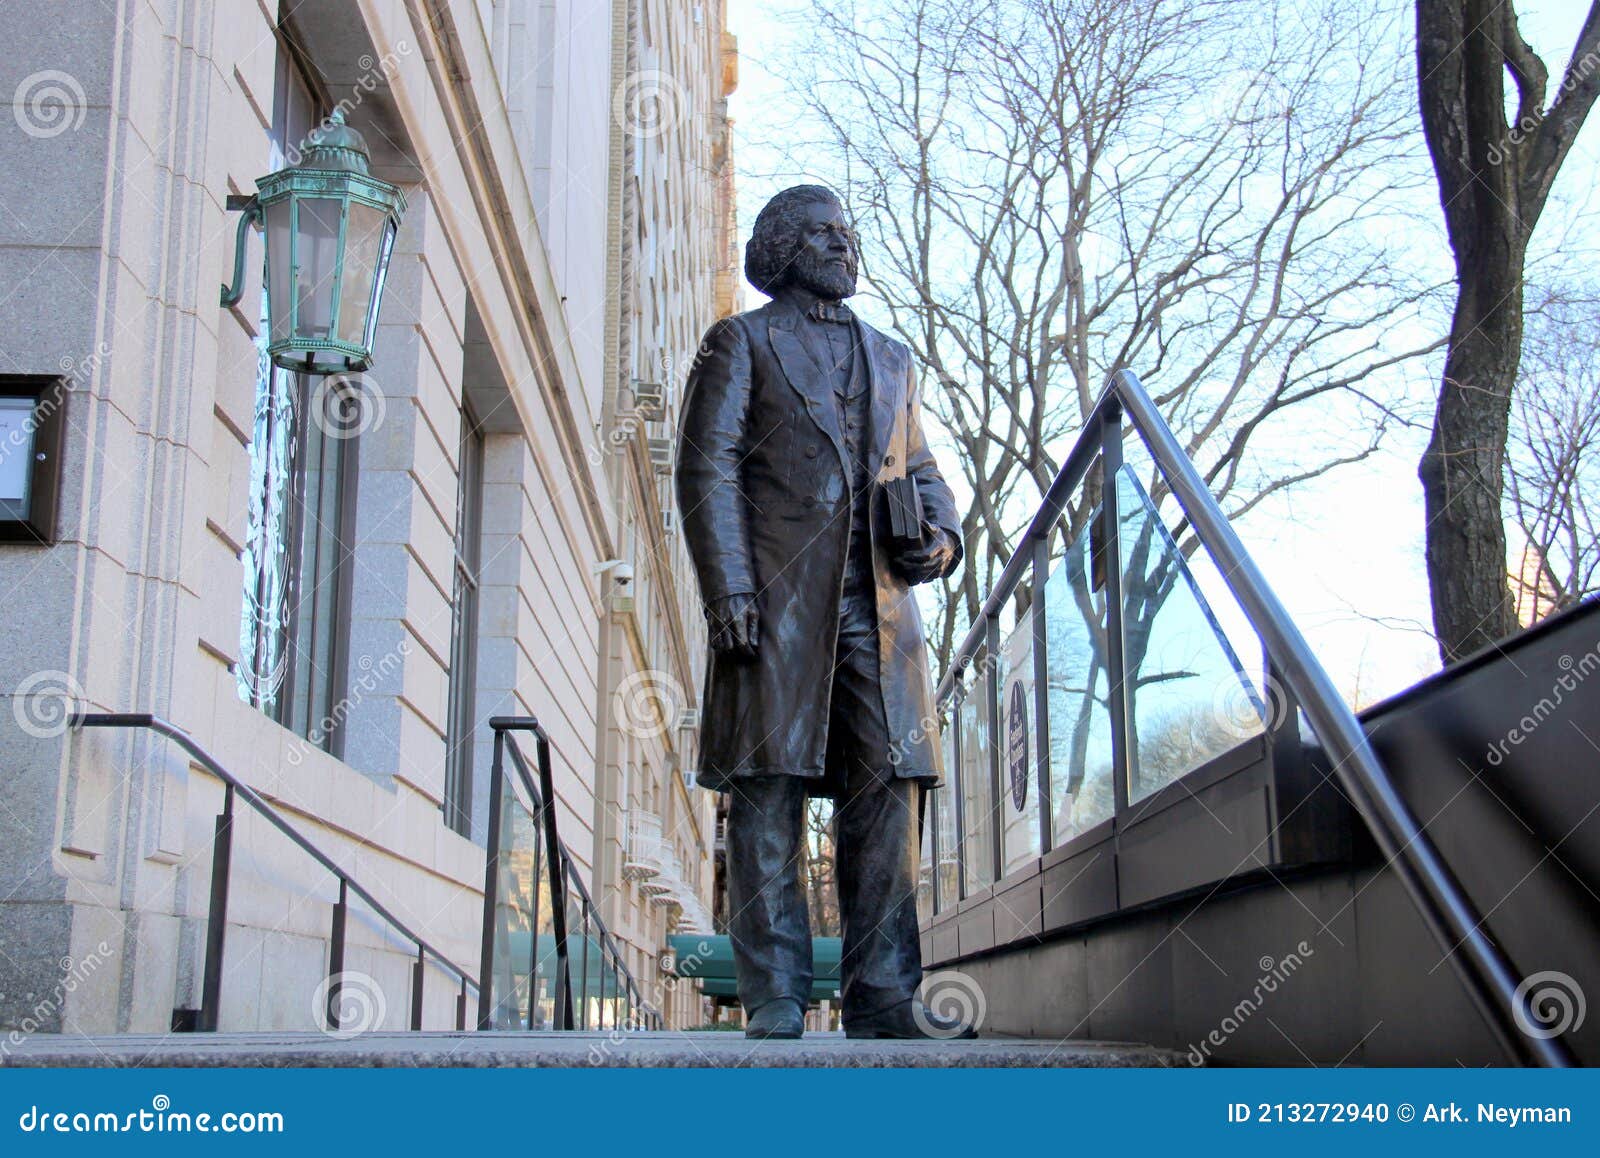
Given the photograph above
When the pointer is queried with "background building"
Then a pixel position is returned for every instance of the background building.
(332, 584)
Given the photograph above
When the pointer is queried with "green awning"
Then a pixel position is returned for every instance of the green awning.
(710, 959)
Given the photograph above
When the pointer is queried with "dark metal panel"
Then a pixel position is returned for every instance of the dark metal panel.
(1017, 911)
(1079, 887)
(1224, 832)
(975, 928)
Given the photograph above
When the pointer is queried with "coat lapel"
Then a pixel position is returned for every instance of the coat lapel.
(805, 376)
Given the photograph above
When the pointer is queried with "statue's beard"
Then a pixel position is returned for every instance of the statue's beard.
(825, 276)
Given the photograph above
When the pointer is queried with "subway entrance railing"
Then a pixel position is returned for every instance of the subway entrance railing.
(544, 966)
(1070, 709)
(549, 962)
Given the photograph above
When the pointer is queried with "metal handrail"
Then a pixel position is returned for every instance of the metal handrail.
(217, 918)
(1485, 971)
(542, 795)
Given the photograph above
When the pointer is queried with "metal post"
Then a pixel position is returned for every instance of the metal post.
(584, 1017)
(217, 914)
(1041, 692)
(418, 968)
(461, 1007)
(991, 703)
(960, 794)
(1124, 761)
(341, 910)
(491, 883)
(558, 912)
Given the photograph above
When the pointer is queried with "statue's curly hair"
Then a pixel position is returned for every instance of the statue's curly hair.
(775, 237)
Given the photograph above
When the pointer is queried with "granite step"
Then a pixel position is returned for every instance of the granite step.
(571, 1050)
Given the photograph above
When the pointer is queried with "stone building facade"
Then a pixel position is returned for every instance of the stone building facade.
(332, 584)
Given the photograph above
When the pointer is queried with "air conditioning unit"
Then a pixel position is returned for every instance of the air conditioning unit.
(669, 521)
(689, 719)
(650, 399)
(660, 454)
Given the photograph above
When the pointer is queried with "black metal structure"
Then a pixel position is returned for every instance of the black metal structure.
(1144, 853)
(628, 1006)
(222, 857)
(514, 788)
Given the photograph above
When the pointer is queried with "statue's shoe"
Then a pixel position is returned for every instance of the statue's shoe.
(780, 1019)
(909, 1019)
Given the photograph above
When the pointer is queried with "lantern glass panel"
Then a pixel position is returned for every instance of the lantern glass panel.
(384, 253)
(363, 244)
(317, 266)
(278, 226)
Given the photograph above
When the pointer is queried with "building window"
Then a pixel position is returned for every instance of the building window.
(303, 459)
(464, 628)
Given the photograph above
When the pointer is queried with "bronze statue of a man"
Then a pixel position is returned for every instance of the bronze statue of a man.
(800, 425)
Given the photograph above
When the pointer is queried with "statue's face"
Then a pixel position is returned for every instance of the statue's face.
(826, 261)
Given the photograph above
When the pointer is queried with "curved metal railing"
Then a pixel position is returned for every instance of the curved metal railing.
(630, 1010)
(222, 857)
(1444, 906)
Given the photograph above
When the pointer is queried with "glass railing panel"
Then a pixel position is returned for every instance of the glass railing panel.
(977, 798)
(1193, 689)
(947, 873)
(1081, 776)
(925, 858)
(1016, 735)
(522, 902)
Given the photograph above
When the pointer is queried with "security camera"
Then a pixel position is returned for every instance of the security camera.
(621, 571)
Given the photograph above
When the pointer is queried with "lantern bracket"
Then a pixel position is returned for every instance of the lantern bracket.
(249, 209)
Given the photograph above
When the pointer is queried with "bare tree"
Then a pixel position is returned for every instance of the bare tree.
(1494, 179)
(1553, 460)
(1049, 190)
(820, 870)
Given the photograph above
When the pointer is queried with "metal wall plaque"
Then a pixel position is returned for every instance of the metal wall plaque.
(32, 419)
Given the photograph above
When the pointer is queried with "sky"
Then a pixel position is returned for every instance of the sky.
(1345, 554)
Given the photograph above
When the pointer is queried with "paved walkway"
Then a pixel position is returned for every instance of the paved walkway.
(642, 1050)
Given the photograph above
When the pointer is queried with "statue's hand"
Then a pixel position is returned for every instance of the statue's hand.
(932, 560)
(732, 622)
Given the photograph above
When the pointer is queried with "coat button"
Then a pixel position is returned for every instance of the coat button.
(811, 450)
(888, 460)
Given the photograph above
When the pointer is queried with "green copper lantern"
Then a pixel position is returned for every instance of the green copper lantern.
(330, 229)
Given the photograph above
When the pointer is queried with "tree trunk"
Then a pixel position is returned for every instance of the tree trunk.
(1463, 468)
(1494, 179)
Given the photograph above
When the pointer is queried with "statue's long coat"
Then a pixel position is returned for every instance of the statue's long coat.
(764, 498)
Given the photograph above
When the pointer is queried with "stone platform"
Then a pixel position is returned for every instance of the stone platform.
(569, 1050)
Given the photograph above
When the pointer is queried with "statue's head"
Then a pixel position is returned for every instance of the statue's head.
(801, 238)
